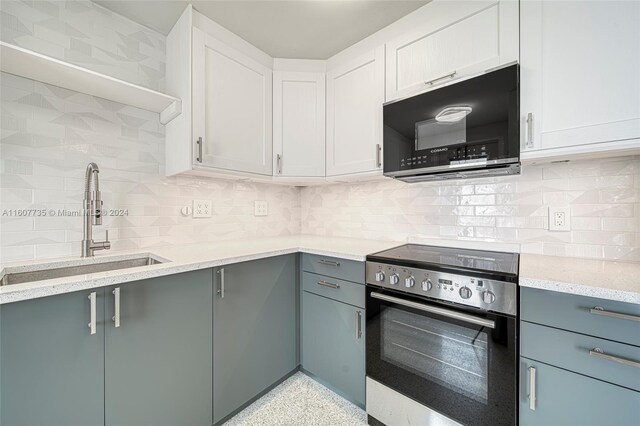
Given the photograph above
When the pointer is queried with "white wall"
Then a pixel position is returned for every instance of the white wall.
(603, 195)
(48, 135)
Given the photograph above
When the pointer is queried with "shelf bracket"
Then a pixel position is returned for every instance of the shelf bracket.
(171, 112)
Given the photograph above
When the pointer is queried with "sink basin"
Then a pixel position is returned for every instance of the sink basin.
(41, 272)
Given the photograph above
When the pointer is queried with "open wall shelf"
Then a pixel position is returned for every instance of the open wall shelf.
(35, 66)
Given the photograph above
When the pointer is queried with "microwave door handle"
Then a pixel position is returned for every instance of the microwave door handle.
(436, 310)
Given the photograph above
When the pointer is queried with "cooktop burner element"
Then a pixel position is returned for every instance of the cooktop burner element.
(481, 279)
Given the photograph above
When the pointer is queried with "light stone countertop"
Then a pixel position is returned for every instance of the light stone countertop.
(604, 279)
(185, 258)
(595, 278)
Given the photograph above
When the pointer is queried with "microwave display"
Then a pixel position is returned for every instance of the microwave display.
(473, 121)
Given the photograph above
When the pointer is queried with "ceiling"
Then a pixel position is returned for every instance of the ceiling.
(303, 29)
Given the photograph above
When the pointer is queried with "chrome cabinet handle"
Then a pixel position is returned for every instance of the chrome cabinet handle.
(529, 140)
(378, 156)
(116, 309)
(279, 164)
(532, 388)
(599, 310)
(450, 75)
(329, 262)
(327, 284)
(199, 143)
(358, 325)
(221, 291)
(92, 315)
(436, 310)
(599, 353)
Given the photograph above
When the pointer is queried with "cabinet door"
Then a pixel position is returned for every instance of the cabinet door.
(332, 346)
(566, 398)
(52, 367)
(298, 124)
(158, 361)
(231, 108)
(254, 330)
(460, 40)
(355, 94)
(580, 63)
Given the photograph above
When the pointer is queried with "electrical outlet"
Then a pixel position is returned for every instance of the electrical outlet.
(559, 219)
(202, 208)
(260, 208)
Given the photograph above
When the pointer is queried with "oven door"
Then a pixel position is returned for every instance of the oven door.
(455, 361)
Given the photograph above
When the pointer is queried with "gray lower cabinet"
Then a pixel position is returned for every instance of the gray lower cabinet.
(566, 398)
(579, 360)
(158, 361)
(254, 330)
(154, 369)
(51, 366)
(333, 344)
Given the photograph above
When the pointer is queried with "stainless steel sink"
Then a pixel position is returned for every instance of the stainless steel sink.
(42, 272)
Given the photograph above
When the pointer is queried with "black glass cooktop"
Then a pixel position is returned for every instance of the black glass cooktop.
(445, 258)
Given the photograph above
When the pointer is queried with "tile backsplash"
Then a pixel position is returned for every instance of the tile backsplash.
(88, 35)
(49, 134)
(603, 196)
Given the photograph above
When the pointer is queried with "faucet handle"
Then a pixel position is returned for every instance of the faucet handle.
(106, 244)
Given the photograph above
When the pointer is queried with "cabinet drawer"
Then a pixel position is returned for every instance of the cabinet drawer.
(349, 270)
(574, 313)
(333, 288)
(566, 398)
(571, 351)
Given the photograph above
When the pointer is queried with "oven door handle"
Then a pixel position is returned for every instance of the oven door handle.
(435, 310)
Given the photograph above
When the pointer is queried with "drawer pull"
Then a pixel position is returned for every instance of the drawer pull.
(532, 388)
(599, 353)
(329, 262)
(330, 285)
(599, 310)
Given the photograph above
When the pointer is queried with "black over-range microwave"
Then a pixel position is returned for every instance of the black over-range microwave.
(469, 128)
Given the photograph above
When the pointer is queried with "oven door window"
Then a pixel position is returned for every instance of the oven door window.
(450, 355)
(459, 369)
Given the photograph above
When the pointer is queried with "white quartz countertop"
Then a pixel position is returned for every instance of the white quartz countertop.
(595, 278)
(187, 258)
(603, 279)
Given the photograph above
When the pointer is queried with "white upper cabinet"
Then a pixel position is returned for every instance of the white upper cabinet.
(580, 77)
(298, 124)
(226, 85)
(459, 40)
(355, 94)
(231, 108)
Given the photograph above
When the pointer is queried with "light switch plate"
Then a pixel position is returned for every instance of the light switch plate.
(559, 219)
(260, 208)
(202, 208)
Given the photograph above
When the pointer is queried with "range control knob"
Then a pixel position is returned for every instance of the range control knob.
(409, 282)
(488, 297)
(427, 285)
(465, 292)
(379, 276)
(394, 279)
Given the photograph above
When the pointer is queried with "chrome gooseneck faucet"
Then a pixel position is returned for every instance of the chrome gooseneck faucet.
(92, 213)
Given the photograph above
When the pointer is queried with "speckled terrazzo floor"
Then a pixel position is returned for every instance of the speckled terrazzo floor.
(300, 401)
